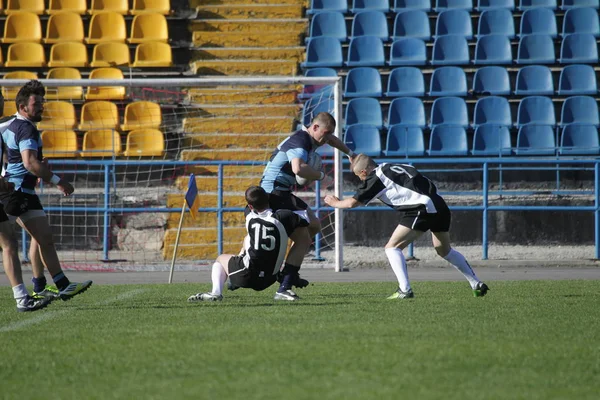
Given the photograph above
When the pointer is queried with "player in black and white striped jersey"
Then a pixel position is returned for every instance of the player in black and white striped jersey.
(259, 263)
(403, 188)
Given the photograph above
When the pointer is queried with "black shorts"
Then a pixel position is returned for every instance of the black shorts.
(18, 203)
(3, 216)
(282, 200)
(421, 220)
(251, 278)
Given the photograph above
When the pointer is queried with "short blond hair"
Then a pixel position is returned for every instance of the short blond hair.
(325, 120)
(362, 162)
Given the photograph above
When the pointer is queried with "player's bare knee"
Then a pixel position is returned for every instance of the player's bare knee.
(442, 250)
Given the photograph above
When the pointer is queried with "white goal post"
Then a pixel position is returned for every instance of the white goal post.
(231, 82)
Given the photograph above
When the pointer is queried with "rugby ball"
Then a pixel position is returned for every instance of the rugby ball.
(314, 160)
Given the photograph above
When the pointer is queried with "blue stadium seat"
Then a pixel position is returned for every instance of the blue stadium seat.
(448, 140)
(580, 110)
(491, 140)
(363, 82)
(581, 20)
(538, 21)
(318, 6)
(492, 110)
(483, 5)
(412, 23)
(536, 140)
(363, 139)
(534, 80)
(406, 111)
(568, 4)
(454, 22)
(370, 23)
(450, 50)
(408, 51)
(441, 5)
(491, 80)
(577, 79)
(315, 105)
(493, 49)
(577, 139)
(328, 24)
(370, 5)
(365, 111)
(405, 141)
(365, 51)
(448, 81)
(317, 90)
(449, 111)
(527, 4)
(497, 21)
(404, 5)
(579, 48)
(536, 110)
(406, 81)
(323, 52)
(536, 49)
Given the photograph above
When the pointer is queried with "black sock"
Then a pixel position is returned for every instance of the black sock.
(39, 284)
(61, 281)
(290, 274)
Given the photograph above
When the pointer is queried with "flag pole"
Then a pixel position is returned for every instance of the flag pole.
(177, 241)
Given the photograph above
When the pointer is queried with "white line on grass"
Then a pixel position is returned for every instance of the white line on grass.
(43, 316)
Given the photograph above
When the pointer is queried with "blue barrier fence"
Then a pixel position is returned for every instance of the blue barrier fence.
(484, 165)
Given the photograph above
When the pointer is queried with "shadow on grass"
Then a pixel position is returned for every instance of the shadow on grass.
(222, 305)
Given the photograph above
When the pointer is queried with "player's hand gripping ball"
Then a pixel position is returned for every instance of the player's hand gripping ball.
(314, 160)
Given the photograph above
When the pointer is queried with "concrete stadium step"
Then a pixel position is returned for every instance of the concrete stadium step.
(228, 170)
(210, 183)
(245, 67)
(231, 199)
(235, 96)
(200, 251)
(229, 155)
(296, 53)
(196, 3)
(206, 220)
(225, 141)
(238, 125)
(242, 11)
(260, 26)
(282, 110)
(246, 39)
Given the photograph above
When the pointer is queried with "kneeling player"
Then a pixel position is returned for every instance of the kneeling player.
(258, 265)
(404, 189)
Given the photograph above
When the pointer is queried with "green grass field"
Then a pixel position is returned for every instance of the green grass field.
(525, 340)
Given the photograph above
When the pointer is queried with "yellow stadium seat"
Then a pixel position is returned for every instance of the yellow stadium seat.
(33, 6)
(68, 54)
(76, 6)
(10, 93)
(10, 108)
(141, 114)
(102, 143)
(99, 115)
(118, 6)
(64, 27)
(145, 143)
(149, 28)
(110, 55)
(107, 92)
(107, 27)
(22, 27)
(58, 115)
(151, 6)
(153, 54)
(60, 144)
(1, 10)
(25, 55)
(64, 92)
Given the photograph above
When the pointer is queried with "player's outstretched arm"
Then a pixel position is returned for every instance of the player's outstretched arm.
(335, 142)
(350, 202)
(37, 168)
(300, 168)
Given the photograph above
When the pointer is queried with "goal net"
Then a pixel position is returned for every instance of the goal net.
(130, 145)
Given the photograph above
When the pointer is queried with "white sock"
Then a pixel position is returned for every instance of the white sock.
(218, 278)
(398, 263)
(461, 264)
(19, 291)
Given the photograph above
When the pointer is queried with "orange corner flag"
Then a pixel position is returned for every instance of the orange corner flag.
(191, 197)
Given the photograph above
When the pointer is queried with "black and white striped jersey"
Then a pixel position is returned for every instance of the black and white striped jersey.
(399, 186)
(265, 244)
